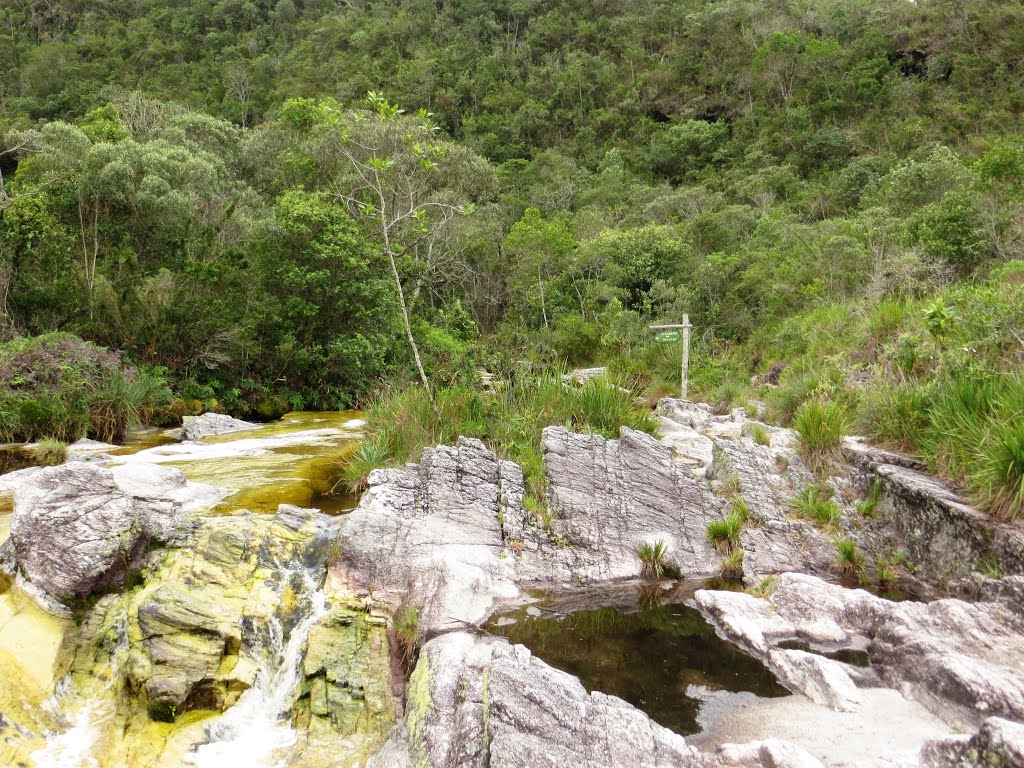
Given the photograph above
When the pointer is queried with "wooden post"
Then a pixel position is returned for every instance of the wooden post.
(686, 357)
(684, 338)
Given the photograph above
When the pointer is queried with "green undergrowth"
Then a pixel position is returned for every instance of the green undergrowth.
(60, 387)
(940, 377)
(401, 423)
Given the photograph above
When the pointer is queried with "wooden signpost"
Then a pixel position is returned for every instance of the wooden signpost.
(669, 334)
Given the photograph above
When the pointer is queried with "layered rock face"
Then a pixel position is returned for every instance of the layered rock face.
(451, 535)
(78, 528)
(474, 701)
(944, 535)
(963, 661)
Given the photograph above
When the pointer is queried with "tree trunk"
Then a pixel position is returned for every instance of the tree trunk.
(408, 326)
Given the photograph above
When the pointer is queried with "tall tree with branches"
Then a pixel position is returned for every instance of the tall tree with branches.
(391, 179)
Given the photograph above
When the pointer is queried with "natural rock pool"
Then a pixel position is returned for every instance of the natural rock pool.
(656, 653)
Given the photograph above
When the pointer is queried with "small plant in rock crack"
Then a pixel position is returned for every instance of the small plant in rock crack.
(652, 559)
(732, 565)
(765, 587)
(849, 558)
(759, 433)
(724, 534)
(990, 568)
(885, 571)
(869, 503)
(407, 631)
(814, 503)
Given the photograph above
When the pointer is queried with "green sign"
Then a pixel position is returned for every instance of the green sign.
(667, 337)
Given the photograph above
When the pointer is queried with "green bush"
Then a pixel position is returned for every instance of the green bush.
(652, 559)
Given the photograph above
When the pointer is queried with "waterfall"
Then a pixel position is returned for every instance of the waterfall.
(258, 725)
(74, 745)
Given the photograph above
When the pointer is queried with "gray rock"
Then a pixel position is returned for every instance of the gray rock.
(476, 701)
(612, 496)
(998, 743)
(963, 661)
(432, 534)
(210, 424)
(771, 753)
(79, 527)
(74, 530)
(945, 536)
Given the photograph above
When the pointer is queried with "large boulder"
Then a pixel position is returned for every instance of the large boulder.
(74, 531)
(78, 528)
(211, 424)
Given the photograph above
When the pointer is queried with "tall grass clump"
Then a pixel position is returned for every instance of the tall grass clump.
(849, 558)
(732, 565)
(724, 534)
(997, 483)
(407, 631)
(401, 423)
(125, 400)
(820, 427)
(652, 559)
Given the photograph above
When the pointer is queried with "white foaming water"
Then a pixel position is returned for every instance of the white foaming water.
(73, 747)
(258, 725)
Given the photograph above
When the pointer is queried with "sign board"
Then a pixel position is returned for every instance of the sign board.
(667, 337)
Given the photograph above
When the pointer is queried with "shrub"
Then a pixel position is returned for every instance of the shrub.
(814, 503)
(124, 400)
(848, 557)
(820, 426)
(50, 452)
(724, 534)
(652, 559)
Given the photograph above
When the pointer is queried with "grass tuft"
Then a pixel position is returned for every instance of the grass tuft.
(724, 534)
(50, 452)
(867, 506)
(732, 565)
(820, 427)
(652, 559)
(814, 503)
(765, 587)
(849, 558)
(759, 433)
(407, 631)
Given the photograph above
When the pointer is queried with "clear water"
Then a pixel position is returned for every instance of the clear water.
(648, 653)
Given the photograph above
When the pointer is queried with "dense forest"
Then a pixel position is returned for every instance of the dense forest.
(227, 191)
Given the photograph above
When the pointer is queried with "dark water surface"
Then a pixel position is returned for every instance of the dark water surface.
(646, 654)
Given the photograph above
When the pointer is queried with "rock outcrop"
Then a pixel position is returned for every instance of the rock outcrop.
(944, 535)
(211, 424)
(998, 743)
(475, 701)
(78, 527)
(963, 661)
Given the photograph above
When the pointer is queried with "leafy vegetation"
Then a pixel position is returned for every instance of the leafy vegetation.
(50, 452)
(834, 197)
